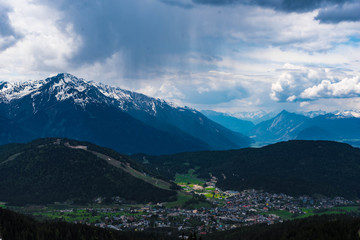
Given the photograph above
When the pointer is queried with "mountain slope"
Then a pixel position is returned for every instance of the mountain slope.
(10, 131)
(181, 120)
(232, 123)
(285, 126)
(53, 170)
(294, 168)
(129, 122)
(314, 133)
(282, 127)
(339, 126)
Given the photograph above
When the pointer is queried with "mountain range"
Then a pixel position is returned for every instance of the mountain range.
(129, 122)
(286, 126)
(318, 125)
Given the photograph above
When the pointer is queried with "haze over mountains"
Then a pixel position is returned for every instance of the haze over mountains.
(129, 122)
(337, 126)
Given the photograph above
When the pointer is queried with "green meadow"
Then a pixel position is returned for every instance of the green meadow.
(308, 212)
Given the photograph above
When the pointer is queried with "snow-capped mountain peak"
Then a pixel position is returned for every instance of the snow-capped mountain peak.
(333, 115)
(65, 86)
(16, 90)
(347, 114)
(65, 105)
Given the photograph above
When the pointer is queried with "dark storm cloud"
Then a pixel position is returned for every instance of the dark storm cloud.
(6, 30)
(348, 12)
(146, 33)
(178, 3)
(281, 5)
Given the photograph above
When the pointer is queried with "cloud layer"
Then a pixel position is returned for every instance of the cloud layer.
(339, 13)
(330, 11)
(299, 83)
(202, 53)
(344, 88)
(281, 5)
(8, 36)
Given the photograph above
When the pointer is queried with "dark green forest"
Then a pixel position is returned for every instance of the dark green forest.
(43, 172)
(326, 227)
(293, 167)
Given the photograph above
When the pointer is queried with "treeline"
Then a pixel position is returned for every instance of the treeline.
(326, 227)
(14, 226)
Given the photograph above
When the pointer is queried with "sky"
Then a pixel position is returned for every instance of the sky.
(224, 55)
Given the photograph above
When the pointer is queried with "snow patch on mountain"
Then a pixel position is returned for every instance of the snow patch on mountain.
(347, 114)
(17, 90)
(335, 114)
(65, 86)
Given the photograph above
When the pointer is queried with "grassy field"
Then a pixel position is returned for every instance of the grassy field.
(181, 199)
(336, 210)
(312, 212)
(77, 215)
(80, 214)
(189, 178)
(210, 195)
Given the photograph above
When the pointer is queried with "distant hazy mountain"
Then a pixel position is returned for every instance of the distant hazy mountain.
(339, 127)
(293, 167)
(129, 122)
(58, 170)
(314, 133)
(282, 127)
(340, 114)
(232, 123)
(254, 117)
(286, 126)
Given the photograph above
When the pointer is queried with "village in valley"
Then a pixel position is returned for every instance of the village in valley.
(202, 208)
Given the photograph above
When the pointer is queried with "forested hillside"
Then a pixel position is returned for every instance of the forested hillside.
(294, 167)
(52, 170)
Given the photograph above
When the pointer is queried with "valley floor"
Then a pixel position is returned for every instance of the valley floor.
(228, 210)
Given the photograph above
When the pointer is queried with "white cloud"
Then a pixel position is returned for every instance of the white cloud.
(43, 48)
(291, 31)
(345, 88)
(194, 89)
(299, 83)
